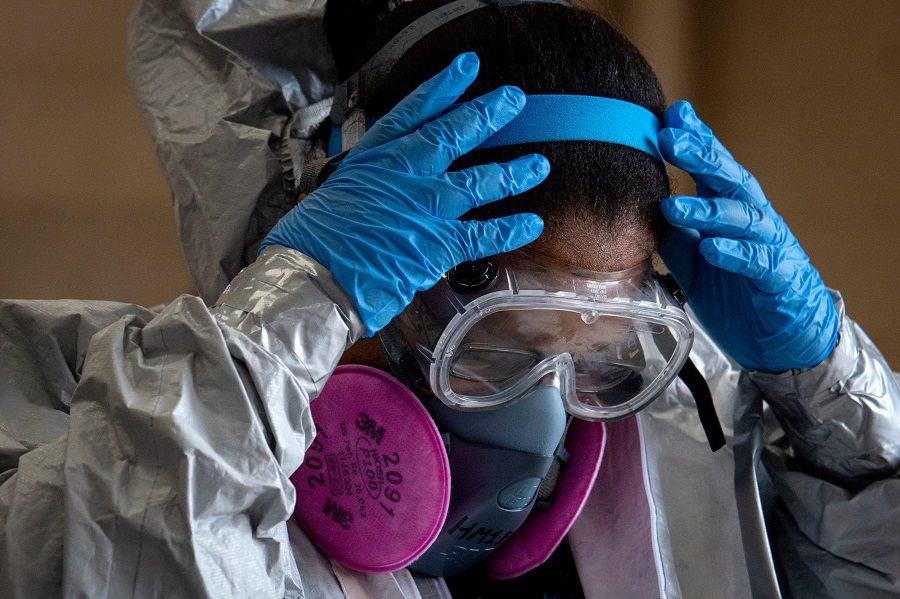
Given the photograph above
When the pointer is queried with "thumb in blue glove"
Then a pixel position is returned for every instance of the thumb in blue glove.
(385, 223)
(746, 277)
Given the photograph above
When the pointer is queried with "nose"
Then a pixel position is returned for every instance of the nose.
(560, 374)
(551, 379)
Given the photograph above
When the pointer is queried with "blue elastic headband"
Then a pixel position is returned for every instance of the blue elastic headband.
(569, 118)
(581, 118)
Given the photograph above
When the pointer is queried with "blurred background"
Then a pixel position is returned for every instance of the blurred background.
(804, 94)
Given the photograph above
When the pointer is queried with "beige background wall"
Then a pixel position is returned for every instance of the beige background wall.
(803, 93)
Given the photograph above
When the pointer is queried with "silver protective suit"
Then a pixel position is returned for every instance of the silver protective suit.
(146, 453)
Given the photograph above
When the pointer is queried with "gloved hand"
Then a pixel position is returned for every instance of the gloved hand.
(385, 222)
(745, 275)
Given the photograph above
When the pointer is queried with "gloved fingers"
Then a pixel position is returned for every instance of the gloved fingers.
(490, 182)
(483, 238)
(678, 249)
(770, 269)
(696, 151)
(723, 217)
(681, 115)
(424, 103)
(715, 173)
(431, 149)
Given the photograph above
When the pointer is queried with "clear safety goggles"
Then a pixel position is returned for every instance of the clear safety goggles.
(492, 330)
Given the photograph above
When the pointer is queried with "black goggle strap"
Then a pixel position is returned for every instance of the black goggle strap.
(696, 384)
(691, 376)
(706, 409)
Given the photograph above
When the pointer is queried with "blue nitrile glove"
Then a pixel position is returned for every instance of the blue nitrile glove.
(746, 276)
(385, 222)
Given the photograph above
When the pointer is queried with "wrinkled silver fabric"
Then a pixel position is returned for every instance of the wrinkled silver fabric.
(218, 82)
(837, 517)
(694, 499)
(834, 512)
(146, 453)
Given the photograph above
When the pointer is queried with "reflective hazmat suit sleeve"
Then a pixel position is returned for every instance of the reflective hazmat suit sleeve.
(222, 85)
(169, 476)
(838, 517)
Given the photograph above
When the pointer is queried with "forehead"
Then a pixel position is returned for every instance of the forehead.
(594, 247)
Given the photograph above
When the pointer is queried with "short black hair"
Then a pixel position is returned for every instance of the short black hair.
(542, 48)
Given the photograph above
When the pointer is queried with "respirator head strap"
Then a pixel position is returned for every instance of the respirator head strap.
(352, 93)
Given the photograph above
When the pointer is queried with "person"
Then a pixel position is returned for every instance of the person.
(149, 452)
